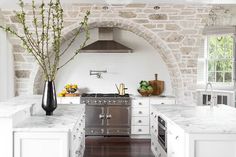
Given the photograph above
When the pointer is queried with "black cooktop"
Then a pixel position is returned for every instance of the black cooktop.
(103, 95)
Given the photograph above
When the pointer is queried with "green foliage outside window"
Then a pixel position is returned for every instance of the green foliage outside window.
(220, 58)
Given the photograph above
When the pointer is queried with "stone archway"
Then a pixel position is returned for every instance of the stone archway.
(152, 38)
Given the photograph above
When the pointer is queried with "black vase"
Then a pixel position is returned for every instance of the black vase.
(49, 102)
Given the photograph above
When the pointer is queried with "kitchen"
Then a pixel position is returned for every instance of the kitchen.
(170, 39)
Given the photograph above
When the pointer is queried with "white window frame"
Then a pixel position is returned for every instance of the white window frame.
(219, 85)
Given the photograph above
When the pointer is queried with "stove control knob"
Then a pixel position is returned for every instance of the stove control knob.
(104, 101)
(83, 101)
(88, 101)
(95, 101)
(114, 101)
(100, 101)
(109, 101)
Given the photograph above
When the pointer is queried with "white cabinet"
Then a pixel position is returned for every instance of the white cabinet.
(183, 144)
(38, 144)
(51, 143)
(161, 101)
(143, 116)
(175, 141)
(68, 100)
(140, 116)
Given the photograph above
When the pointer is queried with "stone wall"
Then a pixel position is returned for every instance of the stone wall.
(173, 30)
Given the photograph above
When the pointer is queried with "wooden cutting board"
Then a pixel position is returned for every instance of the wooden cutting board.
(72, 94)
(157, 85)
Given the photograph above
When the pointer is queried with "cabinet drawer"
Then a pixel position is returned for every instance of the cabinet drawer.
(140, 103)
(140, 112)
(140, 120)
(136, 130)
(160, 101)
(69, 100)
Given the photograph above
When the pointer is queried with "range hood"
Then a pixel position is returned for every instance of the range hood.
(105, 43)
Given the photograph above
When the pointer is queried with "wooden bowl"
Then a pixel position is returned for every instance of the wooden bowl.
(146, 93)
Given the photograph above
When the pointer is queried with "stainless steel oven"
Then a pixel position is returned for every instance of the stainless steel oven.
(162, 133)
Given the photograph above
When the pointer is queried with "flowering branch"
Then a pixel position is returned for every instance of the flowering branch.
(47, 33)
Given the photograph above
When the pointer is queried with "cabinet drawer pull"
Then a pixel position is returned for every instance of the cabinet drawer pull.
(151, 113)
(77, 152)
(139, 130)
(140, 121)
(74, 137)
(140, 112)
(140, 103)
(177, 137)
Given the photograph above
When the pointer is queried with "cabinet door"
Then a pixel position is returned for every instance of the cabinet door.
(40, 144)
(118, 116)
(95, 116)
(175, 141)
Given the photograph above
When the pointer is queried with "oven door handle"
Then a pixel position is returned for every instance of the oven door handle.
(109, 116)
(101, 116)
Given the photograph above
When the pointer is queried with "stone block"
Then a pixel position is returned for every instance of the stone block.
(172, 27)
(127, 14)
(136, 5)
(186, 50)
(18, 58)
(158, 17)
(22, 73)
(174, 37)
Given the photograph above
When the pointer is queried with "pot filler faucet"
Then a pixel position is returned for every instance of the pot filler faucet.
(211, 102)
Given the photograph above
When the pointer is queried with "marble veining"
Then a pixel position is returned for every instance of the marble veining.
(64, 119)
(200, 119)
(10, 107)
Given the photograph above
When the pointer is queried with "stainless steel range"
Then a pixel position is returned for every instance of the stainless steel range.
(107, 114)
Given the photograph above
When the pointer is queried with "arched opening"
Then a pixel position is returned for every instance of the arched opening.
(158, 44)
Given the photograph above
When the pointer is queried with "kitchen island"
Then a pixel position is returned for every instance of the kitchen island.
(193, 131)
(27, 132)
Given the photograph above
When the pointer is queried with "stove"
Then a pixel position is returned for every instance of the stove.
(107, 114)
(107, 98)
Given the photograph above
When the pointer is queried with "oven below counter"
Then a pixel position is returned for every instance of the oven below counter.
(193, 131)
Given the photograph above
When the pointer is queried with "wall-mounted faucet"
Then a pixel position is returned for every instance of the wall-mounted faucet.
(98, 73)
(211, 102)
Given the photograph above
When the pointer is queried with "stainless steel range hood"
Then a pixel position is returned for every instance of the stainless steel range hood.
(105, 43)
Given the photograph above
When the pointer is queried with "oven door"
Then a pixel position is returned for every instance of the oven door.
(162, 136)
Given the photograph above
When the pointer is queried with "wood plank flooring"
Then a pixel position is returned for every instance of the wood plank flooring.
(117, 147)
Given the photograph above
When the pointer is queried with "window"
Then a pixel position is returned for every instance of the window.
(219, 57)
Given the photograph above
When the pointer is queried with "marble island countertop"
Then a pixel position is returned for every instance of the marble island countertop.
(200, 119)
(12, 106)
(64, 119)
(25, 113)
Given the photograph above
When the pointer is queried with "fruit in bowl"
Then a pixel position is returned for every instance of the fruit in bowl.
(71, 88)
(145, 89)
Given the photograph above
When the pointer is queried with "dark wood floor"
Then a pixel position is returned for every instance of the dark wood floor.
(117, 147)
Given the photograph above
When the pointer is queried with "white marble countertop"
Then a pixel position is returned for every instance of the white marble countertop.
(12, 106)
(64, 119)
(200, 119)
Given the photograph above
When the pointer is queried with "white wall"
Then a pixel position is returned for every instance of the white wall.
(6, 68)
(128, 68)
